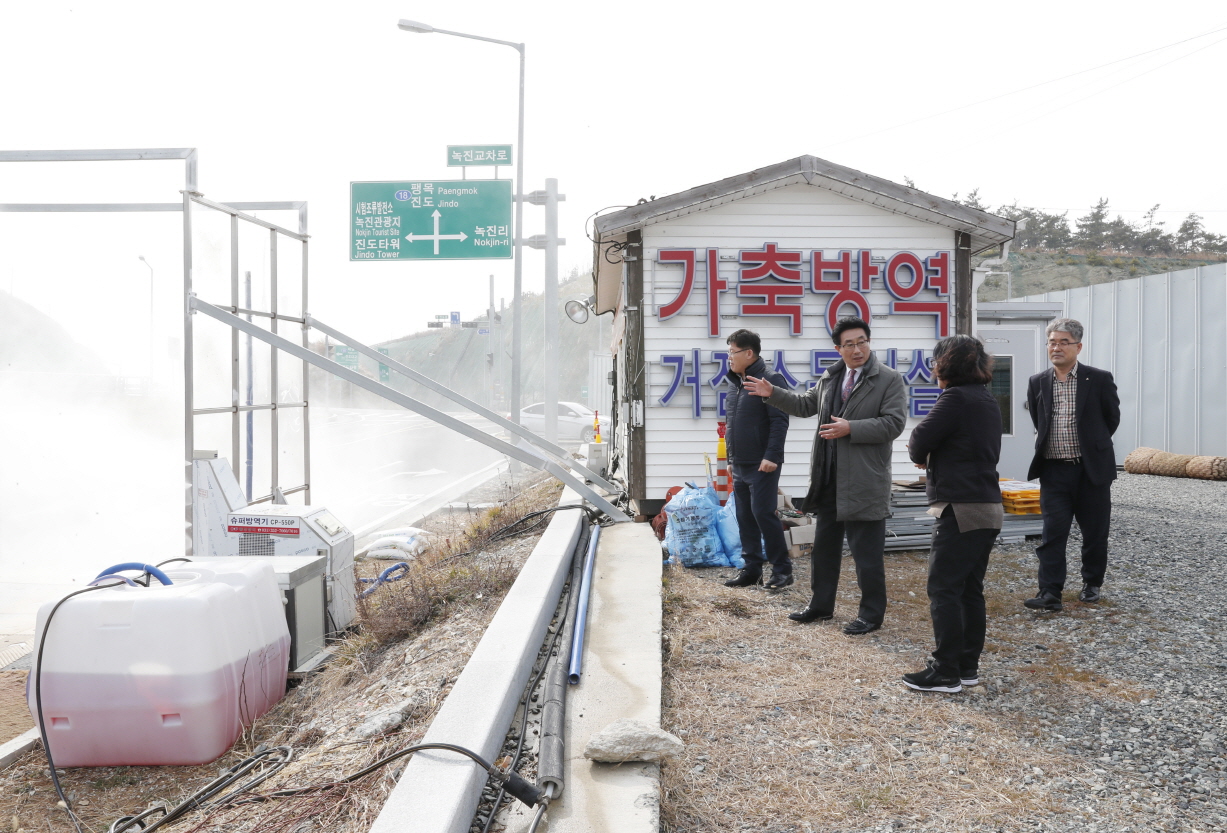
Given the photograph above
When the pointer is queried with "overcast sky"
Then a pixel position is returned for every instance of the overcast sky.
(292, 101)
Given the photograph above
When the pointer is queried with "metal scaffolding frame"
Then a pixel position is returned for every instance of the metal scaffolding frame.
(192, 195)
(529, 449)
(276, 494)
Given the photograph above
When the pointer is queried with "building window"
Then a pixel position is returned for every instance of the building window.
(1001, 387)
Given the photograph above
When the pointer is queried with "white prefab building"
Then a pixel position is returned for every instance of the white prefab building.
(785, 251)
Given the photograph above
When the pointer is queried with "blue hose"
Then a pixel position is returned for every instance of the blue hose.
(136, 565)
(581, 614)
(384, 577)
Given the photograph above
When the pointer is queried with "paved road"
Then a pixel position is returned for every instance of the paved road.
(368, 463)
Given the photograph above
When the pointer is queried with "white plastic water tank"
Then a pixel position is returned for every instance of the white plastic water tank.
(162, 674)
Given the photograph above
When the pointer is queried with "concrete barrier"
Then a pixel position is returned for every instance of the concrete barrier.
(439, 791)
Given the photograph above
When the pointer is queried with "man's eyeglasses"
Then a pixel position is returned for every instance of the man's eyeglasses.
(735, 352)
(854, 345)
(1062, 343)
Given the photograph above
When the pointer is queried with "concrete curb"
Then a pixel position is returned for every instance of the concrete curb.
(18, 746)
(439, 791)
(622, 678)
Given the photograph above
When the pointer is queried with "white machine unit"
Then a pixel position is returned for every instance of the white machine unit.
(224, 525)
(301, 582)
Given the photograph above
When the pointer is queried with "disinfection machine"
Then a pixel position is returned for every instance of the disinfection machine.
(225, 525)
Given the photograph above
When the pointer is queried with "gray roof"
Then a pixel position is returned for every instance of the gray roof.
(986, 229)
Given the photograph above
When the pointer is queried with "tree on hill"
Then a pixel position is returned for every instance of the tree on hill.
(1093, 229)
(1095, 232)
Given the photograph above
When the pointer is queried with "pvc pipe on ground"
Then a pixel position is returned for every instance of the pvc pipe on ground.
(581, 616)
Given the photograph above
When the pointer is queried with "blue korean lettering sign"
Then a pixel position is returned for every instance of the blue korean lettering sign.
(689, 375)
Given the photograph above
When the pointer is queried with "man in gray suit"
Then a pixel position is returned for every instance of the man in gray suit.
(863, 408)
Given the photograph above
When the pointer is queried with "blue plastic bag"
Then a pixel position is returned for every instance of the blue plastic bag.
(691, 534)
(730, 533)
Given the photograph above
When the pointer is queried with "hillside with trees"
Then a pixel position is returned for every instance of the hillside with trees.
(1052, 252)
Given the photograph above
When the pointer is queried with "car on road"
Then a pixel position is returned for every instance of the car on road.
(574, 421)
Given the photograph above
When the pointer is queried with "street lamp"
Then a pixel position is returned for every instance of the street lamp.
(147, 263)
(516, 323)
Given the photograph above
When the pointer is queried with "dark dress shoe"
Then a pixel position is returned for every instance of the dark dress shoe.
(1089, 594)
(778, 581)
(745, 578)
(809, 614)
(1046, 600)
(859, 627)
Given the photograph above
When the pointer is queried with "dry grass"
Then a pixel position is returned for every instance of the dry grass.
(370, 672)
(799, 728)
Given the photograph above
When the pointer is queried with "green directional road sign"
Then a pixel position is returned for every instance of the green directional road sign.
(346, 356)
(430, 220)
(385, 372)
(478, 155)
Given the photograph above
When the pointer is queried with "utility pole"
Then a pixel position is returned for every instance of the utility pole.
(491, 345)
(550, 241)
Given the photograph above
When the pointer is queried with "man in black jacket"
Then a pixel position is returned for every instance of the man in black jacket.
(1075, 409)
(755, 444)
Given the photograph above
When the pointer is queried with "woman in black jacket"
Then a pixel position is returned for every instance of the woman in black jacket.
(958, 444)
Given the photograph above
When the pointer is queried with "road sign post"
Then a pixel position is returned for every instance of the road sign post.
(431, 220)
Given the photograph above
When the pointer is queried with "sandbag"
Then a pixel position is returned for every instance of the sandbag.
(1138, 461)
(691, 535)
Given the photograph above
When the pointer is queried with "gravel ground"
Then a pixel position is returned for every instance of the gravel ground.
(1161, 628)
(1100, 718)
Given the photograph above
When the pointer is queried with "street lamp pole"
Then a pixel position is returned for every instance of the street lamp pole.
(517, 241)
(147, 263)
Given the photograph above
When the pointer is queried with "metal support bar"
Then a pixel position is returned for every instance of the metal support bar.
(274, 434)
(76, 207)
(235, 212)
(547, 448)
(306, 371)
(189, 437)
(244, 408)
(522, 453)
(258, 314)
(235, 369)
(137, 154)
(304, 487)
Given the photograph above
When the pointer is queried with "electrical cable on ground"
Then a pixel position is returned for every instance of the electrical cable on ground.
(564, 626)
(206, 797)
(38, 698)
(506, 532)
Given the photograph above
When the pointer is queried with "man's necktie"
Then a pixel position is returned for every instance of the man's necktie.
(850, 384)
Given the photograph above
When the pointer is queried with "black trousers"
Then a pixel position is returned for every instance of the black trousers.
(1066, 493)
(867, 540)
(957, 563)
(757, 496)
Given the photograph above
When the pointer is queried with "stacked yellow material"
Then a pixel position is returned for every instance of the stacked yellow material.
(1020, 498)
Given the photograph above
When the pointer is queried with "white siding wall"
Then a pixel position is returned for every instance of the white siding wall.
(796, 218)
(1164, 338)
